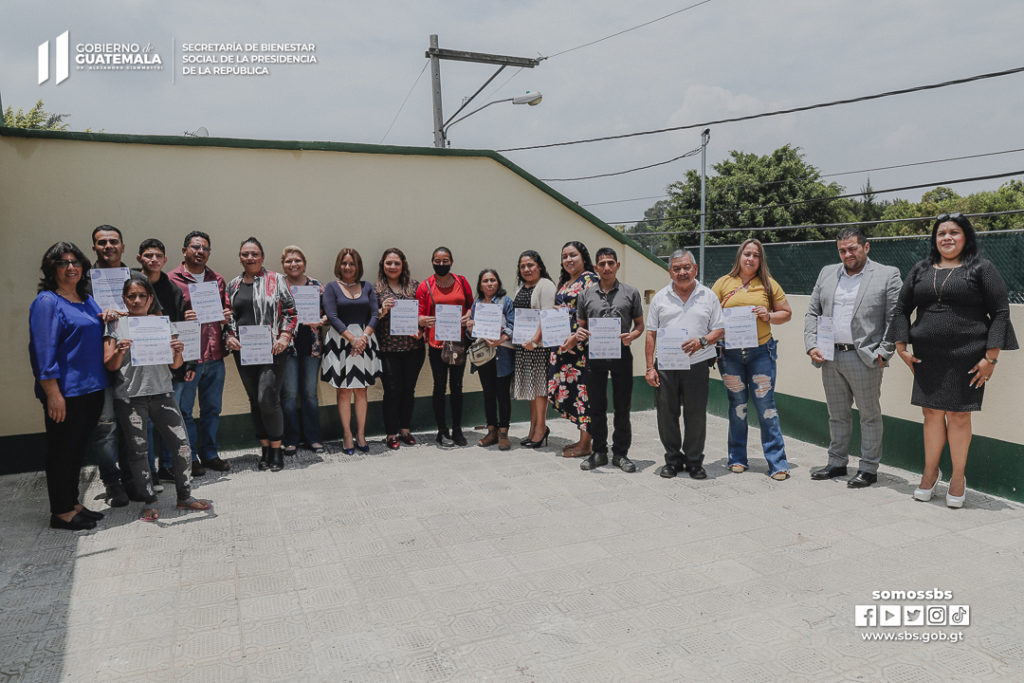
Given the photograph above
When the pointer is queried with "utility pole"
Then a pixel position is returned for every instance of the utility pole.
(436, 54)
(705, 137)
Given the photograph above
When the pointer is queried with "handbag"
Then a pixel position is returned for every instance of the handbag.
(481, 353)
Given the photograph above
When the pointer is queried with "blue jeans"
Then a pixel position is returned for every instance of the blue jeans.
(299, 401)
(209, 385)
(156, 444)
(103, 443)
(750, 373)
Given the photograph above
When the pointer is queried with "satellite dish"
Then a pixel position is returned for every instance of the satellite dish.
(200, 132)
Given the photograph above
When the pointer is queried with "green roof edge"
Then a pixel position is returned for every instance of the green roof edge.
(323, 146)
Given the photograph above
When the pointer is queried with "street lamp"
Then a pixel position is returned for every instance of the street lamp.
(529, 98)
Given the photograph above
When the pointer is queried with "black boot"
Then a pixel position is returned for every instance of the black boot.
(264, 458)
(276, 459)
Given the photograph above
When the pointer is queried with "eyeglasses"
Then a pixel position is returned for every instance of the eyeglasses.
(198, 247)
(948, 217)
(72, 263)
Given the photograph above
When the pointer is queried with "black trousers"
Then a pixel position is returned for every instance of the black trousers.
(66, 443)
(263, 387)
(686, 389)
(452, 376)
(400, 370)
(621, 372)
(497, 394)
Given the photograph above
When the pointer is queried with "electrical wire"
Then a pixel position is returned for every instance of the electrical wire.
(691, 153)
(407, 95)
(779, 112)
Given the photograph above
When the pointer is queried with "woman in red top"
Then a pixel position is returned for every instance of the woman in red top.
(446, 288)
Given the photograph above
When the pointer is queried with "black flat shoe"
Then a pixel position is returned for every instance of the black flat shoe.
(826, 472)
(667, 471)
(697, 472)
(90, 514)
(458, 439)
(77, 523)
(444, 440)
(594, 461)
(624, 464)
(862, 480)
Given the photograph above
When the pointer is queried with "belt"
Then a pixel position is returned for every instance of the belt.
(845, 347)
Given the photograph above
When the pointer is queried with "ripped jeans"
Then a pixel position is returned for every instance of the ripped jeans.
(750, 374)
(134, 416)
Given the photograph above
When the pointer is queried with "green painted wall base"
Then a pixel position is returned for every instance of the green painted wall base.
(994, 466)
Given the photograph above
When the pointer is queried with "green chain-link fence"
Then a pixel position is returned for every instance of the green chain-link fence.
(796, 265)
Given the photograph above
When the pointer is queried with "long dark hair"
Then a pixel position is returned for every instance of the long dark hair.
(535, 257)
(48, 283)
(403, 279)
(970, 251)
(762, 270)
(498, 293)
(587, 263)
(140, 279)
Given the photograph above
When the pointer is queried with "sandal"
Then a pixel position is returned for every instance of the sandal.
(737, 468)
(149, 515)
(317, 447)
(193, 503)
(290, 450)
(781, 475)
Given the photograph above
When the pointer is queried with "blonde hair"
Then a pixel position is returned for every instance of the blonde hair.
(292, 249)
(762, 272)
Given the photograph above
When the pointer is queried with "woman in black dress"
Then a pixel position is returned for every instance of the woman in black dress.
(963, 320)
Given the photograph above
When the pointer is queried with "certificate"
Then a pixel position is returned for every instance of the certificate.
(206, 301)
(604, 337)
(826, 337)
(740, 327)
(307, 303)
(187, 331)
(448, 322)
(525, 326)
(107, 285)
(405, 318)
(670, 349)
(555, 327)
(257, 344)
(487, 321)
(151, 339)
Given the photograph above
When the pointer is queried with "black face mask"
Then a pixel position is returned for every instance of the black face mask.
(442, 270)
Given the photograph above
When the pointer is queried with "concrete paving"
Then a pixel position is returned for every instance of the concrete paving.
(473, 564)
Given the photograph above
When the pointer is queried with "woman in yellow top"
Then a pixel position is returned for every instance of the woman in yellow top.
(750, 372)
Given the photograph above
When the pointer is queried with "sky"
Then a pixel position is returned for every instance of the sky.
(721, 59)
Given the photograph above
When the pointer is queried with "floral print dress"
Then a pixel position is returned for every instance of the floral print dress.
(567, 389)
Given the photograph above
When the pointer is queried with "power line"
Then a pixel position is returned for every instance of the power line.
(779, 112)
(621, 201)
(400, 108)
(628, 170)
(631, 28)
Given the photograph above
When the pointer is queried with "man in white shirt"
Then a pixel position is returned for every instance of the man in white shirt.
(859, 296)
(685, 304)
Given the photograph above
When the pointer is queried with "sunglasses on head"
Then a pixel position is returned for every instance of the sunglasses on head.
(948, 217)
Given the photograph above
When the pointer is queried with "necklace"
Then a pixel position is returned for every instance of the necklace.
(935, 275)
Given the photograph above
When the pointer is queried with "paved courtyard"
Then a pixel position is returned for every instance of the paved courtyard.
(473, 564)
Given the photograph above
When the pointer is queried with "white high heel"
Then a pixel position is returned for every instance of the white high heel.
(924, 495)
(956, 501)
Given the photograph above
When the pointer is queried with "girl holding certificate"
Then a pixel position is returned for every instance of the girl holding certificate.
(144, 394)
(401, 355)
(261, 302)
(748, 371)
(495, 374)
(302, 363)
(536, 292)
(567, 364)
(351, 357)
(66, 351)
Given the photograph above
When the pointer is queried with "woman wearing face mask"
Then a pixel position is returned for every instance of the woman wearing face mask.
(261, 297)
(567, 388)
(444, 287)
(496, 374)
(401, 357)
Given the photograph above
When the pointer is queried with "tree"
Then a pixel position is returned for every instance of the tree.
(654, 221)
(939, 200)
(751, 191)
(36, 117)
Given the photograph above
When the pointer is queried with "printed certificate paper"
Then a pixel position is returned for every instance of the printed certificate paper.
(670, 349)
(740, 327)
(107, 285)
(487, 321)
(187, 331)
(525, 326)
(206, 301)
(555, 327)
(151, 340)
(405, 318)
(604, 337)
(448, 322)
(826, 337)
(257, 344)
(307, 303)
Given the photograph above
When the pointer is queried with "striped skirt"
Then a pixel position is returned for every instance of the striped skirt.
(341, 368)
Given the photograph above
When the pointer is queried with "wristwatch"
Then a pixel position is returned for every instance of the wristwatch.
(703, 342)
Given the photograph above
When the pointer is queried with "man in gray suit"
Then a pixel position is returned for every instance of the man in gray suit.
(859, 296)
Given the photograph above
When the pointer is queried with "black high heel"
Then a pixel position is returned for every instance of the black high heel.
(542, 442)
